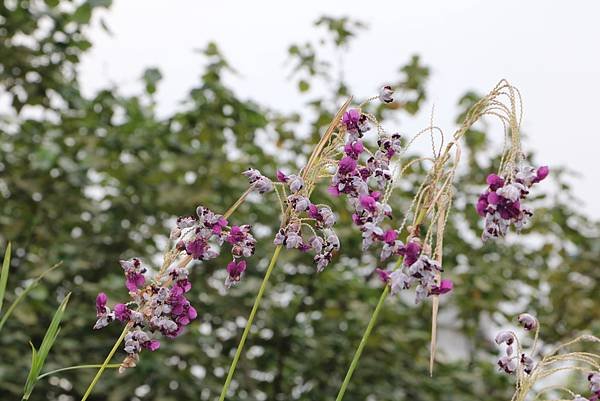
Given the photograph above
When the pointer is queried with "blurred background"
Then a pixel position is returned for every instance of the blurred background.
(115, 118)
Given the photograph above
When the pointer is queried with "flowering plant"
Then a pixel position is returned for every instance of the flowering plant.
(420, 256)
(158, 305)
(532, 366)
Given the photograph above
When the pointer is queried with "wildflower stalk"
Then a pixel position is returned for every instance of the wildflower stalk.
(370, 325)
(310, 173)
(169, 257)
(530, 367)
(434, 197)
(242, 342)
(363, 342)
(105, 363)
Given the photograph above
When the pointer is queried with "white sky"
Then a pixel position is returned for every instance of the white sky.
(548, 49)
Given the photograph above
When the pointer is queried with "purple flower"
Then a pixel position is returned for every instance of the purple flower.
(122, 312)
(384, 275)
(152, 345)
(542, 173)
(221, 223)
(235, 271)
(355, 122)
(101, 300)
(527, 321)
(368, 202)
(482, 204)
(235, 235)
(333, 190)
(500, 205)
(347, 165)
(354, 149)
(444, 287)
(281, 177)
(399, 281)
(389, 237)
(196, 247)
(258, 181)
(183, 285)
(411, 252)
(507, 364)
(134, 281)
(296, 183)
(385, 94)
(505, 337)
(103, 314)
(351, 118)
(317, 243)
(527, 363)
(495, 181)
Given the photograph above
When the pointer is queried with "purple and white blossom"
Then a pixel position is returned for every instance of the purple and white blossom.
(509, 362)
(527, 321)
(259, 182)
(500, 205)
(159, 306)
(308, 227)
(385, 94)
(202, 236)
(594, 383)
(417, 269)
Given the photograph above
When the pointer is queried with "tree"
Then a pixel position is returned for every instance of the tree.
(93, 180)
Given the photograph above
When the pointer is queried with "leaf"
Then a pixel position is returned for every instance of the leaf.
(23, 294)
(303, 86)
(151, 77)
(4, 274)
(39, 358)
(83, 14)
(100, 3)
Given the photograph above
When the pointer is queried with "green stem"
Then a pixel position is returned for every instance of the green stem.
(111, 366)
(240, 347)
(105, 364)
(362, 344)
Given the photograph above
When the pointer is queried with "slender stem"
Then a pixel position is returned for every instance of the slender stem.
(240, 346)
(362, 344)
(105, 364)
(237, 203)
(110, 366)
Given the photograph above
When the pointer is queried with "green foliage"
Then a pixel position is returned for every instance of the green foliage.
(4, 275)
(38, 357)
(24, 292)
(97, 179)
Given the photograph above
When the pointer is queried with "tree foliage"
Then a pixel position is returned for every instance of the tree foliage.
(91, 180)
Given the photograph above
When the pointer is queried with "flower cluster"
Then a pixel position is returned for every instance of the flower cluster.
(160, 307)
(364, 183)
(258, 182)
(500, 204)
(201, 236)
(321, 239)
(417, 268)
(509, 362)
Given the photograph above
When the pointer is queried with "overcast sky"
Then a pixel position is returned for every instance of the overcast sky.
(548, 49)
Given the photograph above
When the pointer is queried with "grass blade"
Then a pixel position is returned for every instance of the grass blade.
(4, 274)
(39, 357)
(109, 366)
(23, 294)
